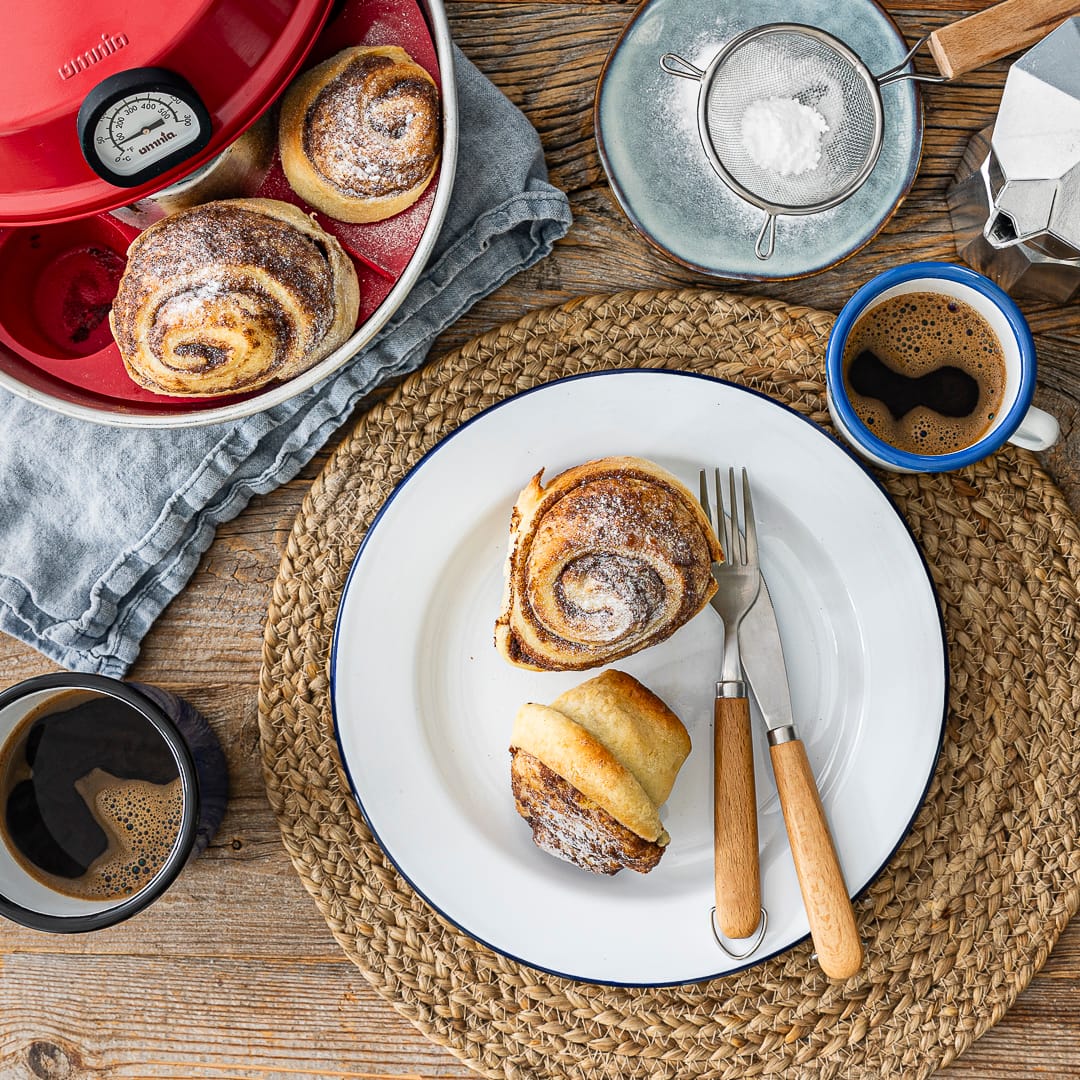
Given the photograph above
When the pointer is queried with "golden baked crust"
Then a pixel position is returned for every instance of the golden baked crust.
(635, 726)
(583, 761)
(360, 134)
(228, 296)
(590, 772)
(610, 557)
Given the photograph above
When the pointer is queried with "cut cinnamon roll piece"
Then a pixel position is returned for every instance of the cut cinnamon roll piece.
(231, 295)
(610, 557)
(590, 772)
(360, 134)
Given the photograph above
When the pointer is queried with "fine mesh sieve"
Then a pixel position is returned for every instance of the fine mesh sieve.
(790, 62)
(821, 74)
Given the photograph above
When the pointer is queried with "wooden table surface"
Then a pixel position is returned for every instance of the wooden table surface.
(233, 973)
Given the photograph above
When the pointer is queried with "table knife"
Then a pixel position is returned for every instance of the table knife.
(821, 881)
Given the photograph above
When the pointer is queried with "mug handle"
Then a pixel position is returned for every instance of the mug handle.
(1037, 431)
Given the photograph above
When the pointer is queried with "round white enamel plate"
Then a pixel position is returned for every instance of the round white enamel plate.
(424, 705)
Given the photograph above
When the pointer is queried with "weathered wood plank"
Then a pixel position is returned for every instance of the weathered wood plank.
(166, 1015)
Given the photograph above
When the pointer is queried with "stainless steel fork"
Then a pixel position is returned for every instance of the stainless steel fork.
(735, 833)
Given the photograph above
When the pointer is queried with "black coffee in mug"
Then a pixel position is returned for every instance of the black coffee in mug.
(107, 790)
(90, 795)
(925, 372)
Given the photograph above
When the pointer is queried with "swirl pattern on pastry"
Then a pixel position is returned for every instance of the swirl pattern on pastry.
(612, 556)
(228, 296)
(360, 134)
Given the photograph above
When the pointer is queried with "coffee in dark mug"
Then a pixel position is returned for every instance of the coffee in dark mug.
(107, 789)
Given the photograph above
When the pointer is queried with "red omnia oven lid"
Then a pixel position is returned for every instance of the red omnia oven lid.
(162, 88)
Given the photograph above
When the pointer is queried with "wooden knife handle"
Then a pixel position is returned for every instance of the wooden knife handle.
(997, 31)
(735, 830)
(825, 896)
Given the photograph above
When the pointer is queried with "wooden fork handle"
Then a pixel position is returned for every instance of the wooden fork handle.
(825, 896)
(988, 35)
(735, 830)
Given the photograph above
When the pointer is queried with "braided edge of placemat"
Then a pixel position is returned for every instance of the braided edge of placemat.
(971, 903)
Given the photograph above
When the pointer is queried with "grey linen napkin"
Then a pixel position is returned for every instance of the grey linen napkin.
(100, 527)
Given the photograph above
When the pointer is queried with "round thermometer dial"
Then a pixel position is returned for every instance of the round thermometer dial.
(138, 124)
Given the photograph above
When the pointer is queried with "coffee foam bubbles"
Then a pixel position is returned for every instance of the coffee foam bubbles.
(915, 334)
(141, 821)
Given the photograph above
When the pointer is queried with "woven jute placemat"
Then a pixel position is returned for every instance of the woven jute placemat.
(958, 922)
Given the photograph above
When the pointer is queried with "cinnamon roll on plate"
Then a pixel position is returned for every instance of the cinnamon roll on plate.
(610, 557)
(590, 772)
(228, 296)
(360, 134)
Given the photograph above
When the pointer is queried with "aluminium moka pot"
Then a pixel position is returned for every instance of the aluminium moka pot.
(1015, 202)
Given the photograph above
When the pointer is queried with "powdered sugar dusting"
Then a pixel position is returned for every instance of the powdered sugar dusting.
(226, 296)
(631, 551)
(661, 174)
(374, 131)
(675, 101)
(187, 305)
(782, 135)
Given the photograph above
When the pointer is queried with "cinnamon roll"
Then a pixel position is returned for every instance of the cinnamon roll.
(612, 556)
(228, 296)
(590, 772)
(360, 134)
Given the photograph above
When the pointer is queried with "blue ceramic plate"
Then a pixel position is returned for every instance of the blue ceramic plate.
(647, 134)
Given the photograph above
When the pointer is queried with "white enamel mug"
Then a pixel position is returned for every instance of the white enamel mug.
(1017, 421)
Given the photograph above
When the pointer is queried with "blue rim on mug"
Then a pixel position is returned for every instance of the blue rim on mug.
(184, 843)
(863, 297)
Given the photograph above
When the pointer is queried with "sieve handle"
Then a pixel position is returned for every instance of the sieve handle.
(998, 31)
(766, 240)
(674, 64)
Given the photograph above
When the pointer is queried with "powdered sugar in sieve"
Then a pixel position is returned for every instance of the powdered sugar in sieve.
(819, 95)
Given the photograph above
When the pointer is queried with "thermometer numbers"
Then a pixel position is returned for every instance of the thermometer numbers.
(142, 123)
(140, 130)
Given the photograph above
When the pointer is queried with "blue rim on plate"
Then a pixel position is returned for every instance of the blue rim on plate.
(336, 659)
(648, 140)
(834, 357)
